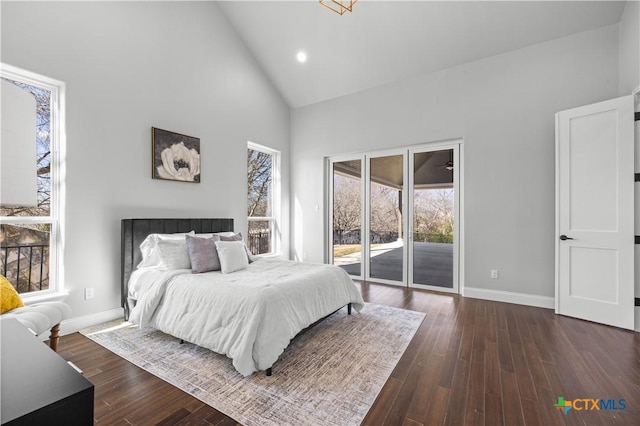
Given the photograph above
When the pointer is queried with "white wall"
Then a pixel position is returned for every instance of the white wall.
(127, 67)
(629, 48)
(503, 107)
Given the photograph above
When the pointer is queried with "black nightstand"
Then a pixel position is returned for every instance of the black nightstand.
(38, 386)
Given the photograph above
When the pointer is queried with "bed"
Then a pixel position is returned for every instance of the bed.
(249, 315)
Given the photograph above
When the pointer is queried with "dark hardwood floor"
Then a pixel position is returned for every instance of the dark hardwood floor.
(471, 362)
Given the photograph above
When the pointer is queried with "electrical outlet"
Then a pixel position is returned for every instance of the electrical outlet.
(88, 293)
(494, 274)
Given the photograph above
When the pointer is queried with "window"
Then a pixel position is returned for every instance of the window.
(30, 176)
(263, 194)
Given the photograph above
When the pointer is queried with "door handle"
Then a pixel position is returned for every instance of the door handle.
(564, 238)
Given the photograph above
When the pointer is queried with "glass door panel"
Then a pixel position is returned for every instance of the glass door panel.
(386, 250)
(433, 195)
(347, 216)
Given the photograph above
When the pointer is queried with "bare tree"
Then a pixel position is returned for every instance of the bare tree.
(259, 170)
(347, 208)
(386, 216)
(433, 219)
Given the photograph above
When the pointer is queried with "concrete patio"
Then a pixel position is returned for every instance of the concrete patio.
(433, 263)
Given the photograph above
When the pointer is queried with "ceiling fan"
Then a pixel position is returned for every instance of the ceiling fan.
(449, 165)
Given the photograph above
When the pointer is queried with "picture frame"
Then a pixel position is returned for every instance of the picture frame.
(174, 156)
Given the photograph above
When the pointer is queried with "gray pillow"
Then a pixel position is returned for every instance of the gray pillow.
(203, 254)
(234, 237)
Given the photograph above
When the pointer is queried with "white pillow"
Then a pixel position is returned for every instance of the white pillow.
(225, 234)
(174, 254)
(232, 256)
(220, 234)
(153, 256)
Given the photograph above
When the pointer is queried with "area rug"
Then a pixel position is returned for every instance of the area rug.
(329, 375)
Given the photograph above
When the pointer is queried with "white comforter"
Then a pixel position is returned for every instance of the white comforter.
(249, 315)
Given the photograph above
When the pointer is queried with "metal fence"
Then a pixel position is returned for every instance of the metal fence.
(377, 237)
(353, 237)
(26, 266)
(259, 242)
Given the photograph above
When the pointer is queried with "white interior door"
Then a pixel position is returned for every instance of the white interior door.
(594, 208)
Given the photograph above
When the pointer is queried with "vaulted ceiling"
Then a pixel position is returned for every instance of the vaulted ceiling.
(381, 42)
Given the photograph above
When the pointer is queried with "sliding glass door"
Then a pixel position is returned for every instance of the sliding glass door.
(347, 215)
(386, 251)
(393, 216)
(432, 218)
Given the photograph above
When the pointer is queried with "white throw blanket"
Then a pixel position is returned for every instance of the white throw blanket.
(249, 315)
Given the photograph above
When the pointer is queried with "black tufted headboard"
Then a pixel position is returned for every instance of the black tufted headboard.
(134, 231)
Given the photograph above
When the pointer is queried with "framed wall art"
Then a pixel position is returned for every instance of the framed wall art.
(175, 156)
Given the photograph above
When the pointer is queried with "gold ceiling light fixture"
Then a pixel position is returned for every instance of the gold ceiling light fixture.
(339, 6)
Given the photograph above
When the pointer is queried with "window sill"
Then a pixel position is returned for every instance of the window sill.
(28, 299)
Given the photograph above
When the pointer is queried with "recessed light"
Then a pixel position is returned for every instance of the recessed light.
(301, 57)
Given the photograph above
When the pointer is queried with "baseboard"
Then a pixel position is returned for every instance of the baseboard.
(72, 325)
(637, 312)
(510, 297)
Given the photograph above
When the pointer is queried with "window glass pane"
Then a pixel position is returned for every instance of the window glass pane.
(347, 216)
(433, 218)
(259, 181)
(386, 254)
(24, 256)
(26, 150)
(260, 235)
(27, 170)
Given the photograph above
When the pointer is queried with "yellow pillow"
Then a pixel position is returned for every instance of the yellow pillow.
(10, 297)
